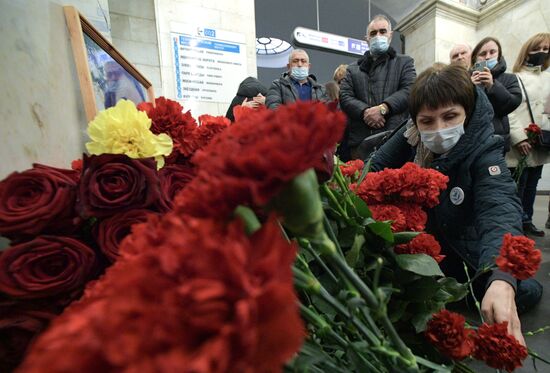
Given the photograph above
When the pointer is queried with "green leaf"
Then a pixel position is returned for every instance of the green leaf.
(382, 230)
(422, 289)
(404, 237)
(353, 255)
(420, 320)
(346, 235)
(251, 222)
(455, 289)
(421, 264)
(360, 205)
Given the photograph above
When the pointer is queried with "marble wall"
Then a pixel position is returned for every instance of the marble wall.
(43, 116)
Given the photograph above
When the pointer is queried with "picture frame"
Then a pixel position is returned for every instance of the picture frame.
(104, 74)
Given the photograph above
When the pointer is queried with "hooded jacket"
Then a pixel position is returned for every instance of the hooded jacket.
(505, 97)
(249, 88)
(370, 82)
(282, 91)
(480, 203)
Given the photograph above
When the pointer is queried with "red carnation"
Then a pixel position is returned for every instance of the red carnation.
(410, 183)
(252, 161)
(76, 165)
(39, 200)
(240, 111)
(534, 129)
(201, 297)
(519, 257)
(351, 167)
(415, 216)
(447, 333)
(389, 212)
(210, 126)
(167, 117)
(424, 243)
(497, 348)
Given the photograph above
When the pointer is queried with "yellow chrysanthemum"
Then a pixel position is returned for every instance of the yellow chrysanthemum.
(123, 129)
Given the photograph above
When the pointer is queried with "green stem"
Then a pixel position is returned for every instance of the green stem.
(331, 234)
(334, 200)
(321, 324)
(306, 245)
(345, 189)
(476, 302)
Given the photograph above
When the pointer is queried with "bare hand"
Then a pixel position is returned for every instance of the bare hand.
(373, 118)
(484, 78)
(499, 305)
(251, 104)
(524, 148)
(260, 99)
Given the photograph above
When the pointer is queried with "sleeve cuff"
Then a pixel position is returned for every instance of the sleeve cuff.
(503, 276)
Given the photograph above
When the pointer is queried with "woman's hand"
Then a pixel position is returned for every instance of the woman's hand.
(251, 104)
(499, 305)
(524, 148)
(484, 78)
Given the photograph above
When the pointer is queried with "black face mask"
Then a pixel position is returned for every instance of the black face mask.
(537, 59)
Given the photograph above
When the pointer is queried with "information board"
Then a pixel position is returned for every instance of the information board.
(209, 64)
(323, 40)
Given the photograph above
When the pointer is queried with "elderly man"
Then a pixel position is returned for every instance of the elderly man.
(461, 54)
(375, 90)
(296, 83)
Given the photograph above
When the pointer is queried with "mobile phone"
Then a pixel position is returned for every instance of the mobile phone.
(480, 65)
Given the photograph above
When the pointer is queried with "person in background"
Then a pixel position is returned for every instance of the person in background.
(530, 68)
(333, 90)
(461, 54)
(251, 93)
(296, 83)
(451, 132)
(501, 88)
(374, 92)
(340, 73)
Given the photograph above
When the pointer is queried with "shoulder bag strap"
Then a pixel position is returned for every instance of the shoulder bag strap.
(526, 98)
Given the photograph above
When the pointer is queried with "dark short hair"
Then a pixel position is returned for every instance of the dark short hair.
(482, 42)
(440, 86)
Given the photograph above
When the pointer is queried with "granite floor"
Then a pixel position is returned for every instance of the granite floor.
(540, 315)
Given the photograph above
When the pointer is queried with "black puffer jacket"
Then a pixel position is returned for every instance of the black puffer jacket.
(472, 228)
(249, 88)
(369, 83)
(505, 97)
(282, 91)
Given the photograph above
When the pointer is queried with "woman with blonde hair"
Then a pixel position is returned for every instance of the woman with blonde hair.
(530, 68)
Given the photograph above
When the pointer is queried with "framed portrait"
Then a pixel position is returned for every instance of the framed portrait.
(104, 74)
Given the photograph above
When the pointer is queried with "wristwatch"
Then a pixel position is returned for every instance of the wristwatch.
(383, 110)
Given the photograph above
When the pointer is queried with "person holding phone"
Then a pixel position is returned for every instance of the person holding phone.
(531, 67)
(503, 90)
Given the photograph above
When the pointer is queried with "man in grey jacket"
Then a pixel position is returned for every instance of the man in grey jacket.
(375, 91)
(295, 84)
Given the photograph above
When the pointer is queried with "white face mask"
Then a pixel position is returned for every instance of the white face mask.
(441, 141)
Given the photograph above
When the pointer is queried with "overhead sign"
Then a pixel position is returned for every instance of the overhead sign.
(323, 40)
(209, 64)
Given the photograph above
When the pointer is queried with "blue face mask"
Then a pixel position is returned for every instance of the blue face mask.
(441, 141)
(379, 44)
(299, 73)
(492, 63)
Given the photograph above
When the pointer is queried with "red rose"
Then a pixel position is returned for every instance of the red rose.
(389, 212)
(497, 348)
(173, 178)
(113, 183)
(19, 325)
(253, 160)
(110, 232)
(201, 296)
(519, 257)
(447, 333)
(424, 243)
(38, 200)
(45, 266)
(350, 168)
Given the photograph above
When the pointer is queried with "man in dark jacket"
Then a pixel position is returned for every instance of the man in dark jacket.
(295, 84)
(375, 90)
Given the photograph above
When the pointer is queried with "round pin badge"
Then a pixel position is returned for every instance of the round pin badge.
(457, 196)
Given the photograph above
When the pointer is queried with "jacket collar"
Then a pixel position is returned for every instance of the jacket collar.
(367, 61)
(499, 68)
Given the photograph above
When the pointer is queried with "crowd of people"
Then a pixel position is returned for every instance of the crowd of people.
(466, 119)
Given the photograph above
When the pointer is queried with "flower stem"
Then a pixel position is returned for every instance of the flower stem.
(334, 200)
(470, 284)
(322, 325)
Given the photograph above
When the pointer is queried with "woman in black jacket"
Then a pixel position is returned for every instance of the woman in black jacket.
(451, 132)
(502, 88)
(252, 91)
